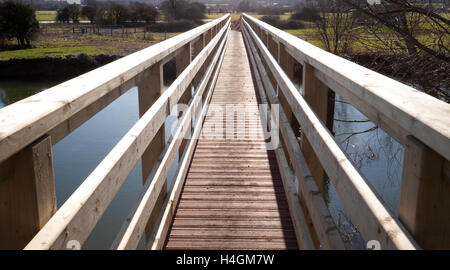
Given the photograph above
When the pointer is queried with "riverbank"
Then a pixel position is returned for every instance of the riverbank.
(52, 68)
(59, 53)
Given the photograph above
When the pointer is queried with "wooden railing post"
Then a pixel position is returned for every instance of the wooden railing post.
(198, 47)
(272, 46)
(208, 36)
(27, 193)
(150, 89)
(319, 98)
(424, 205)
(183, 59)
(287, 63)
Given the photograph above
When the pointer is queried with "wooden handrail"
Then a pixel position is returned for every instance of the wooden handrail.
(80, 213)
(55, 110)
(368, 211)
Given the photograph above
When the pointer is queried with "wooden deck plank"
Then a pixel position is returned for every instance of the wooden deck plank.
(233, 196)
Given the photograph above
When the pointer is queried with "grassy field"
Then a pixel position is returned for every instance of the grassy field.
(60, 41)
(46, 15)
(57, 51)
(50, 15)
(155, 37)
(234, 16)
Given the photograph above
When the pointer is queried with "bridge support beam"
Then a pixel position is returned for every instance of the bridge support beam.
(197, 48)
(183, 59)
(425, 195)
(321, 100)
(287, 64)
(150, 89)
(27, 194)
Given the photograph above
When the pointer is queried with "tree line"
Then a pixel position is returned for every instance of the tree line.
(18, 19)
(109, 12)
(112, 12)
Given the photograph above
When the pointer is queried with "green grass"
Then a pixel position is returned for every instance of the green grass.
(304, 31)
(160, 36)
(234, 16)
(46, 15)
(156, 36)
(41, 52)
(56, 29)
(286, 16)
(214, 16)
(109, 38)
(53, 44)
(50, 15)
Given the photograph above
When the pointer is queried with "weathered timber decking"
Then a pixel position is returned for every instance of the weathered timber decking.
(233, 196)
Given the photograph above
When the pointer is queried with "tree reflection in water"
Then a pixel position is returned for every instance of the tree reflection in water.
(377, 156)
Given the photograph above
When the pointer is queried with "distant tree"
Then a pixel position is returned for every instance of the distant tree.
(271, 19)
(90, 10)
(74, 12)
(409, 20)
(271, 10)
(275, 21)
(117, 13)
(142, 12)
(174, 9)
(18, 20)
(196, 12)
(182, 10)
(69, 12)
(335, 25)
(306, 14)
(244, 6)
(63, 15)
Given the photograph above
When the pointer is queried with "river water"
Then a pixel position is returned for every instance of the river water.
(377, 155)
(77, 155)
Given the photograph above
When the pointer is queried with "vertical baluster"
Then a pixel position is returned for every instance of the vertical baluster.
(150, 89)
(321, 100)
(424, 205)
(27, 194)
(198, 47)
(287, 64)
(183, 59)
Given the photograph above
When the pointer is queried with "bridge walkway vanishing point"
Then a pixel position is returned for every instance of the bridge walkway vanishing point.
(233, 196)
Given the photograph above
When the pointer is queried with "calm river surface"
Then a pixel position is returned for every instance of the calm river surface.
(377, 155)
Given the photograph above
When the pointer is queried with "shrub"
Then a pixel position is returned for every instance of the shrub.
(271, 19)
(281, 24)
(306, 14)
(292, 24)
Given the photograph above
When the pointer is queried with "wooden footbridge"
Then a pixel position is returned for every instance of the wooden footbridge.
(253, 151)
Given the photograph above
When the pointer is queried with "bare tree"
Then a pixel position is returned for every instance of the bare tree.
(410, 20)
(335, 24)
